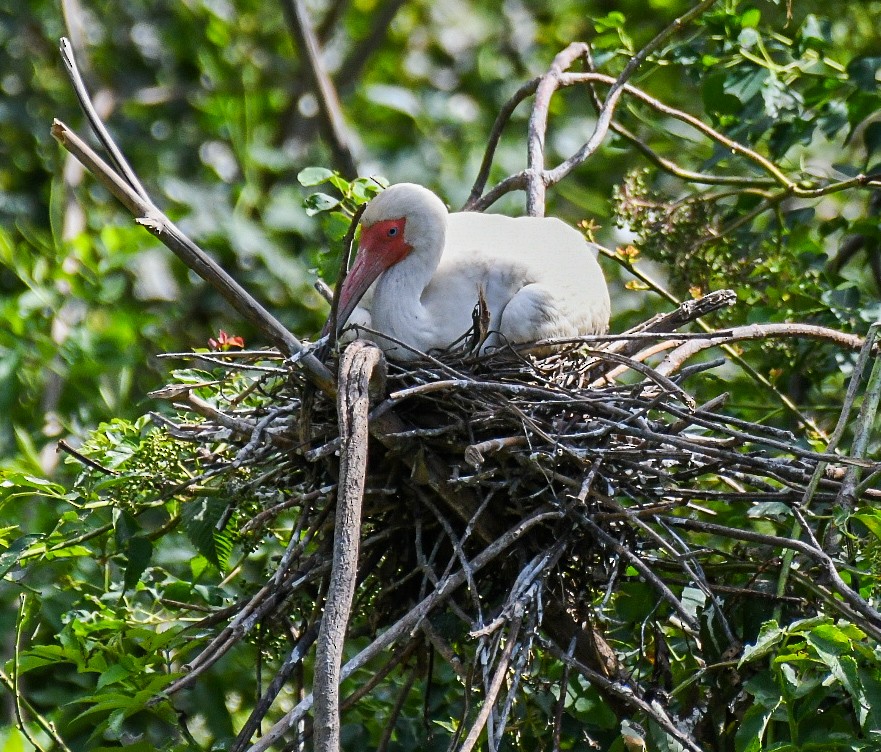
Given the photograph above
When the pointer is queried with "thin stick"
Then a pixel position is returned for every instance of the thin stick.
(494, 686)
(831, 446)
(82, 94)
(624, 693)
(446, 587)
(689, 349)
(862, 431)
(605, 116)
(331, 326)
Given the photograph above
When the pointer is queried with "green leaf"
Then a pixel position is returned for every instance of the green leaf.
(364, 189)
(613, 20)
(314, 176)
(44, 655)
(694, 600)
(125, 525)
(752, 728)
(10, 557)
(750, 18)
(815, 33)
(335, 225)
(320, 202)
(872, 138)
(14, 742)
(830, 638)
(112, 675)
(139, 551)
(769, 638)
(200, 519)
(770, 510)
(863, 71)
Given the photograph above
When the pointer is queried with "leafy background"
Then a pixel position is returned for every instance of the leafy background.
(211, 103)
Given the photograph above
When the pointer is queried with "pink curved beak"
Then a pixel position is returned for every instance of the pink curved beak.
(368, 266)
(382, 245)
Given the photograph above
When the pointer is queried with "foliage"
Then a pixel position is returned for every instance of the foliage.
(107, 571)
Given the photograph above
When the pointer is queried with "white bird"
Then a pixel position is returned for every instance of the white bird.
(420, 271)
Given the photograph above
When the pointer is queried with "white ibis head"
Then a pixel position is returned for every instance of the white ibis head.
(400, 218)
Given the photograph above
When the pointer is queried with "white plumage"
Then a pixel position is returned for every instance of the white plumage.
(420, 270)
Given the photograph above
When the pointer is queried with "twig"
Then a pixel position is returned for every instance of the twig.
(604, 118)
(131, 193)
(63, 446)
(759, 378)
(355, 61)
(624, 693)
(520, 180)
(495, 685)
(119, 161)
(332, 326)
(853, 599)
(689, 349)
(862, 430)
(831, 446)
(644, 570)
(43, 722)
(444, 648)
(689, 176)
(395, 713)
(495, 135)
(261, 707)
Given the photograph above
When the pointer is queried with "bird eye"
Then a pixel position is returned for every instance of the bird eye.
(392, 231)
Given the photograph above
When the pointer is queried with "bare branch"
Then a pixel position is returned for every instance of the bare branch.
(122, 166)
(495, 135)
(625, 694)
(359, 361)
(195, 258)
(504, 663)
(756, 331)
(411, 620)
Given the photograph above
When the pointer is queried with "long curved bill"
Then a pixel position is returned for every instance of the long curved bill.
(367, 268)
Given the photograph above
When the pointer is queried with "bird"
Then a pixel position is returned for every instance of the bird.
(420, 271)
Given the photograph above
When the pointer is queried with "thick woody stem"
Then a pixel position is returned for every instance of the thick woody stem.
(538, 125)
(412, 618)
(358, 364)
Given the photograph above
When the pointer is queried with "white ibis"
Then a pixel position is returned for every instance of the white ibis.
(420, 271)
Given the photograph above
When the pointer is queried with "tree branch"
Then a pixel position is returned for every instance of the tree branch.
(689, 349)
(411, 619)
(150, 217)
(358, 364)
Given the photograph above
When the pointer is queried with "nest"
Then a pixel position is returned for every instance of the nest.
(509, 503)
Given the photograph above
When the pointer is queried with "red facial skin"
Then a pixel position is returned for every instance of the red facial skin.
(382, 246)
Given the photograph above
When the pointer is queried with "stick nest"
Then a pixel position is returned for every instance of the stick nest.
(578, 506)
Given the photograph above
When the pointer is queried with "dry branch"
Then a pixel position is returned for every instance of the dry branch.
(151, 218)
(357, 366)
